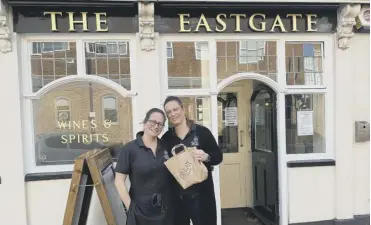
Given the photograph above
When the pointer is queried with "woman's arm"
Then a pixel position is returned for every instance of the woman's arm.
(122, 189)
(210, 147)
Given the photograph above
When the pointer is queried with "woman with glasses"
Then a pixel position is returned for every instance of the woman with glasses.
(142, 160)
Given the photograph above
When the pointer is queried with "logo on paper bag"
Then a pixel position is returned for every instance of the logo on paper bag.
(186, 170)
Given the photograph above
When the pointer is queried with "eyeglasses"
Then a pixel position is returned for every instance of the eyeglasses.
(153, 123)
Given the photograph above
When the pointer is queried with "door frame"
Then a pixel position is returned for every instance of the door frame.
(281, 139)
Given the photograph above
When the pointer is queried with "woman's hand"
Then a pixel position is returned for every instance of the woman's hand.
(199, 154)
(127, 204)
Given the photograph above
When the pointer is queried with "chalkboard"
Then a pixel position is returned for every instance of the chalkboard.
(103, 175)
(81, 189)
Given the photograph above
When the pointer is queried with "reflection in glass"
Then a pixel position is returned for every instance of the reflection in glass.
(263, 112)
(91, 122)
(256, 56)
(197, 109)
(227, 130)
(304, 63)
(109, 59)
(305, 123)
(51, 61)
(188, 65)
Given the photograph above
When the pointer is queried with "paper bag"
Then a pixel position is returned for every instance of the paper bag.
(186, 169)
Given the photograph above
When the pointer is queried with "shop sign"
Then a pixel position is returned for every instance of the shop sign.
(244, 19)
(75, 20)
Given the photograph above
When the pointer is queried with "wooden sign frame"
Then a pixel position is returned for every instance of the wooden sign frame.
(81, 190)
(103, 175)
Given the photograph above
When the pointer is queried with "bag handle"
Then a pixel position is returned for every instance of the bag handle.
(177, 146)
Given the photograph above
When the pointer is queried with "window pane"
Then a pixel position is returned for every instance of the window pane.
(109, 103)
(51, 61)
(263, 124)
(304, 63)
(189, 66)
(61, 136)
(305, 123)
(197, 109)
(110, 60)
(227, 129)
(256, 56)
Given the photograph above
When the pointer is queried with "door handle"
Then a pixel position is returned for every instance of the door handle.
(241, 138)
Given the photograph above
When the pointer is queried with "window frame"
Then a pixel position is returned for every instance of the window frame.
(240, 49)
(326, 88)
(56, 107)
(171, 48)
(117, 108)
(28, 96)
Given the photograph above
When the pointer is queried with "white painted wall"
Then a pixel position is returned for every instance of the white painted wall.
(311, 194)
(361, 111)
(47, 200)
(12, 187)
(352, 84)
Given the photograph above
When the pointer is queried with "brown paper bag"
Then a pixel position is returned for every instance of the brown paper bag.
(186, 169)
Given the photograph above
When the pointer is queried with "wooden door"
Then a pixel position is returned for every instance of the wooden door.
(235, 170)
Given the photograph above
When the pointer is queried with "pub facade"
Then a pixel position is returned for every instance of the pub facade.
(283, 86)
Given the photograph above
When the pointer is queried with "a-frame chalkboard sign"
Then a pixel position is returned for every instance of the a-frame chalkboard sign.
(94, 169)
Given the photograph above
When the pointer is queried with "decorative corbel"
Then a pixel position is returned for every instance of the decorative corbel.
(5, 34)
(347, 14)
(146, 25)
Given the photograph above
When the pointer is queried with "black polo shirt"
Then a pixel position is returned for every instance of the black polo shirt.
(147, 172)
(201, 138)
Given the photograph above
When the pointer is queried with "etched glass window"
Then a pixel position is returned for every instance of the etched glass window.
(304, 63)
(51, 61)
(110, 109)
(257, 56)
(189, 67)
(305, 123)
(87, 125)
(109, 59)
(63, 109)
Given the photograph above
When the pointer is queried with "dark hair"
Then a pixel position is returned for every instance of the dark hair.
(176, 99)
(151, 111)
(173, 98)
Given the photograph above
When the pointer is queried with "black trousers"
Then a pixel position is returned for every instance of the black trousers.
(200, 209)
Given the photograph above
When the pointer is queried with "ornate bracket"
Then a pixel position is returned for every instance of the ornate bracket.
(347, 14)
(146, 25)
(5, 34)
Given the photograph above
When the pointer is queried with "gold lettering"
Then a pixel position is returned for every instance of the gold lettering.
(99, 22)
(183, 22)
(72, 21)
(278, 22)
(76, 124)
(84, 125)
(72, 137)
(85, 139)
(221, 22)
(105, 138)
(93, 124)
(64, 139)
(252, 25)
(203, 22)
(64, 124)
(294, 21)
(238, 20)
(311, 22)
(53, 18)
